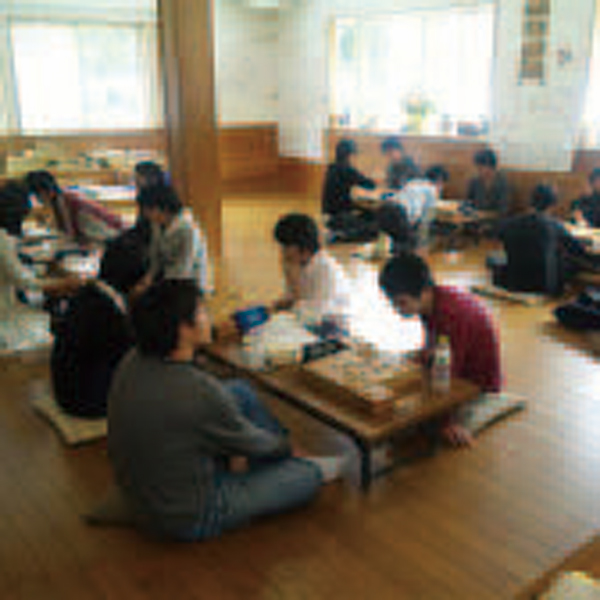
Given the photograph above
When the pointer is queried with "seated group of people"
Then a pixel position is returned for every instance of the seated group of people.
(540, 253)
(207, 456)
(89, 319)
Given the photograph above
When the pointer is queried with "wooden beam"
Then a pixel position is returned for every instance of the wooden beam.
(186, 44)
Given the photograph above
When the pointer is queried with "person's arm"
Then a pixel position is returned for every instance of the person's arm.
(360, 180)
(22, 277)
(231, 432)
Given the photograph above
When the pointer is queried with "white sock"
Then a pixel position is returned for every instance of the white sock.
(331, 467)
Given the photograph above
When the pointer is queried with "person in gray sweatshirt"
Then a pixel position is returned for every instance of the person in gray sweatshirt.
(174, 429)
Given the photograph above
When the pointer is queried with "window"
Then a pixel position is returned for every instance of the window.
(425, 72)
(590, 122)
(80, 76)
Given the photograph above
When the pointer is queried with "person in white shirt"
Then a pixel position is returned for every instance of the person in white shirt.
(317, 288)
(409, 227)
(178, 248)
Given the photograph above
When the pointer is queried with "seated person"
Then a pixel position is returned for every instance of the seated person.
(15, 206)
(447, 311)
(407, 217)
(401, 168)
(586, 210)
(77, 217)
(174, 430)
(94, 334)
(147, 174)
(316, 286)
(541, 255)
(21, 327)
(178, 248)
(489, 191)
(345, 218)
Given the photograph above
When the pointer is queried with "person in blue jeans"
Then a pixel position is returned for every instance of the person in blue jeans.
(175, 432)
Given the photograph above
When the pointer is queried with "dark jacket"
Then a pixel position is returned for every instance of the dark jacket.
(496, 197)
(91, 339)
(590, 207)
(541, 253)
(339, 180)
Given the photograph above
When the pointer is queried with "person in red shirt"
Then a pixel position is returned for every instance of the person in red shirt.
(79, 218)
(447, 311)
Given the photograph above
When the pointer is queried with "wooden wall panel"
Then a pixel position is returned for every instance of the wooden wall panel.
(248, 151)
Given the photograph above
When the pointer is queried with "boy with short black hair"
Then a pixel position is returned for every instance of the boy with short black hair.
(178, 247)
(400, 168)
(489, 191)
(317, 287)
(447, 311)
(541, 255)
(174, 431)
(346, 220)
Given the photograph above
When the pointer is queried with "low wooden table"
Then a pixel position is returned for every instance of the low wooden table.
(586, 558)
(291, 385)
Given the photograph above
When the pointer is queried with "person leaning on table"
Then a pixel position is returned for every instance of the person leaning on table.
(176, 431)
(586, 210)
(79, 218)
(22, 326)
(447, 311)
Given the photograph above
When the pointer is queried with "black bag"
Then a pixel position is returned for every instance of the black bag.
(583, 314)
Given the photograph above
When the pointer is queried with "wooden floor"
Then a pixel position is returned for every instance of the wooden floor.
(469, 524)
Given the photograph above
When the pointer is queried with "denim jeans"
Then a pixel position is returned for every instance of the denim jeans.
(269, 486)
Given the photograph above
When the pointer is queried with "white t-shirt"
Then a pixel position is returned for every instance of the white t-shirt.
(324, 289)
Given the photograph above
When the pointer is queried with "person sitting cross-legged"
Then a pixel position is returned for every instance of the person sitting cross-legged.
(175, 432)
(541, 254)
(447, 311)
(92, 334)
(346, 220)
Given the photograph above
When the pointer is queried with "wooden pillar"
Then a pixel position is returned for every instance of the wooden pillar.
(186, 45)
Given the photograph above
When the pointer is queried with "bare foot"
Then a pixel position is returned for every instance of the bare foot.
(457, 436)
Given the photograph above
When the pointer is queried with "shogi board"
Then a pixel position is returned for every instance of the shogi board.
(374, 384)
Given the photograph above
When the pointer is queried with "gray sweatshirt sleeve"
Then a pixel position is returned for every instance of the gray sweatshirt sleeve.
(230, 432)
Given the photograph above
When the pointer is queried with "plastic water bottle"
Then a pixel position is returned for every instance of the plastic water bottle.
(442, 366)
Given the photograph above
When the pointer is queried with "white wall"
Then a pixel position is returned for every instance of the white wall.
(246, 48)
(535, 127)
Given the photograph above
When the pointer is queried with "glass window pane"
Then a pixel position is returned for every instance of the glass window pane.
(48, 81)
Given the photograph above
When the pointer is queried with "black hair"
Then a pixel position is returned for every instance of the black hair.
(543, 197)
(437, 173)
(392, 143)
(14, 207)
(160, 311)
(162, 197)
(41, 181)
(298, 230)
(123, 264)
(405, 274)
(595, 174)
(151, 172)
(344, 150)
(486, 158)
